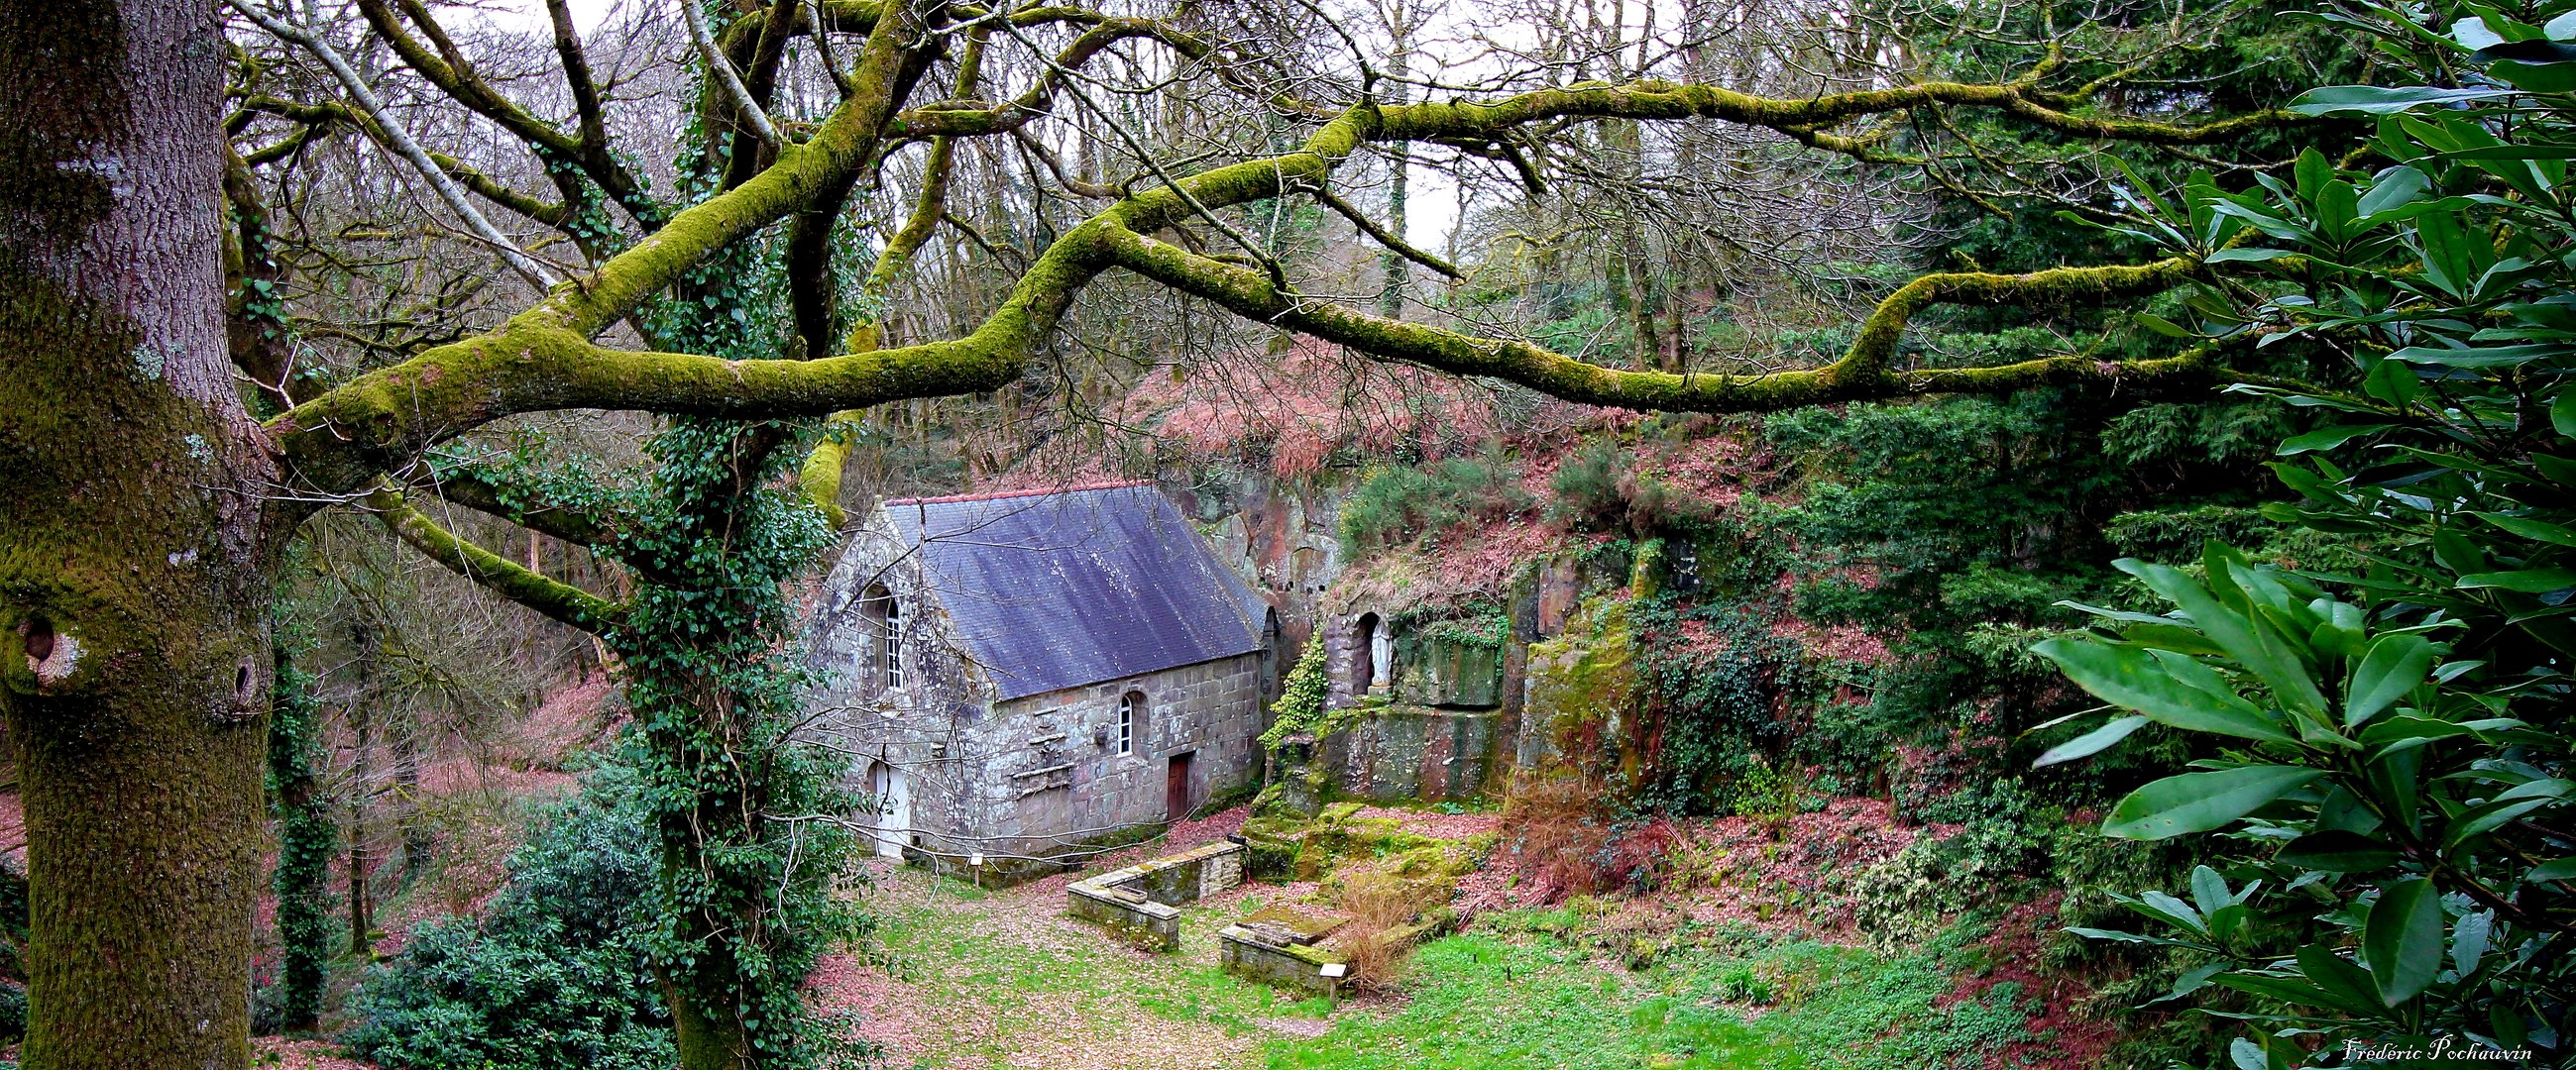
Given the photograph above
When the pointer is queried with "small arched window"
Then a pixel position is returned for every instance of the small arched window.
(1131, 709)
(885, 625)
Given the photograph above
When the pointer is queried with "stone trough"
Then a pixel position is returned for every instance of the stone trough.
(1141, 903)
(1278, 946)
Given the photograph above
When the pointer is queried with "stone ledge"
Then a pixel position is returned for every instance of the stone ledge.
(1140, 920)
(1245, 952)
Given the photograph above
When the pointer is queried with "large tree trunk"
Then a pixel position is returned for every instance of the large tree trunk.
(134, 558)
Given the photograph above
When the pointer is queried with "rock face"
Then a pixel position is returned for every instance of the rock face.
(1582, 696)
(1447, 673)
(1399, 752)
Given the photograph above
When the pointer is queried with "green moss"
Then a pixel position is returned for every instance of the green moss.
(1583, 685)
(560, 601)
(1304, 923)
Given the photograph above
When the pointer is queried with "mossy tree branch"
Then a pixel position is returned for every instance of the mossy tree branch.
(561, 602)
(1864, 373)
(820, 476)
(544, 359)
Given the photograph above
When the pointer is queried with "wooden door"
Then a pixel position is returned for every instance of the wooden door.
(1176, 788)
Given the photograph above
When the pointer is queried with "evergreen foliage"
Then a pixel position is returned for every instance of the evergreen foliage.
(1399, 502)
(2390, 774)
(745, 813)
(558, 973)
(1300, 706)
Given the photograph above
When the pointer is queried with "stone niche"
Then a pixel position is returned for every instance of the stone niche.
(1431, 735)
(1141, 903)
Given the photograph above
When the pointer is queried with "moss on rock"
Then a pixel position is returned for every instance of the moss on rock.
(1584, 693)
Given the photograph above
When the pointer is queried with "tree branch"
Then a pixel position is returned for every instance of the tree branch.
(721, 68)
(402, 142)
(1864, 373)
(558, 601)
(474, 492)
(544, 359)
(585, 91)
(1386, 238)
(447, 70)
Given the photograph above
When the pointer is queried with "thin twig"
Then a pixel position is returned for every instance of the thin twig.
(403, 144)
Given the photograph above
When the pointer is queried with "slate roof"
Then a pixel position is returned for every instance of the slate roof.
(1052, 590)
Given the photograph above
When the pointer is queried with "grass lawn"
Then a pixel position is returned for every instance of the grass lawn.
(1520, 1000)
(1006, 982)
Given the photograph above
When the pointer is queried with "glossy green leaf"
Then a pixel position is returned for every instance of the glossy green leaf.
(2527, 581)
(2554, 76)
(2402, 940)
(2393, 381)
(2127, 938)
(2476, 356)
(2507, 807)
(2345, 983)
(2193, 980)
(2451, 258)
(2209, 891)
(2329, 438)
(2136, 679)
(2252, 643)
(2395, 187)
(2246, 256)
(2090, 743)
(2338, 851)
(2392, 667)
(2531, 529)
(2469, 940)
(2378, 100)
(2286, 989)
(2199, 802)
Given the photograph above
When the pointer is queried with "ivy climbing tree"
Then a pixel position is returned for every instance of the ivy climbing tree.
(151, 511)
(306, 840)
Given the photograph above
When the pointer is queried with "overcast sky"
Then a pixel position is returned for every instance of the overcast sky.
(1433, 207)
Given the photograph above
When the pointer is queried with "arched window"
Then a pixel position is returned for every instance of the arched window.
(1131, 709)
(885, 626)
